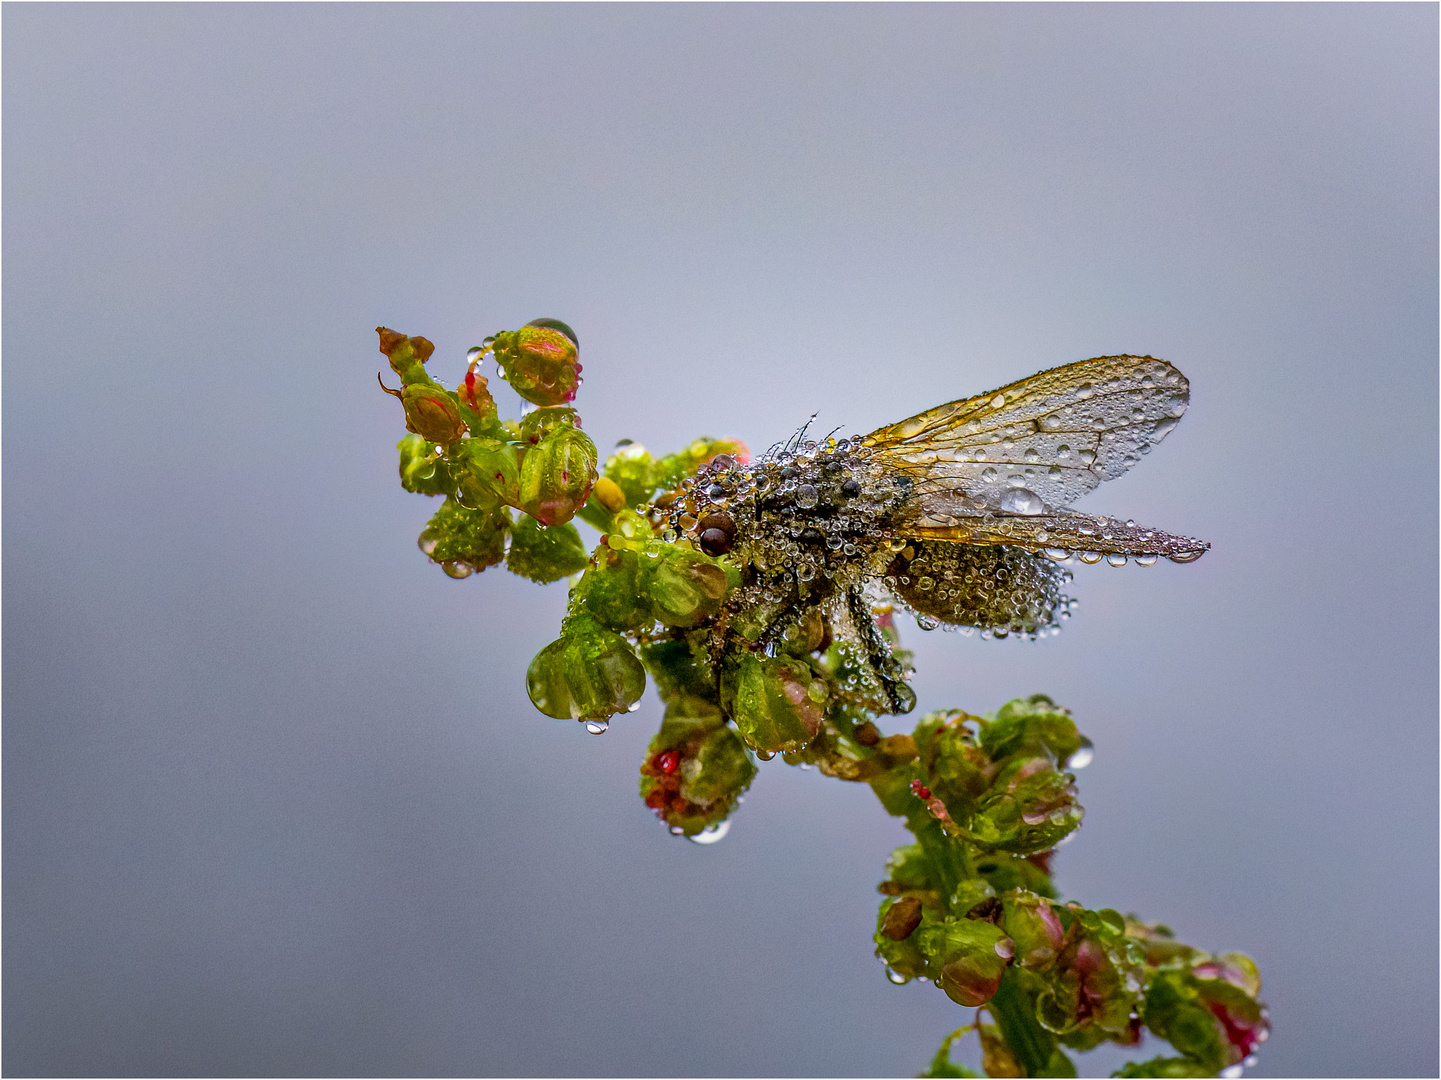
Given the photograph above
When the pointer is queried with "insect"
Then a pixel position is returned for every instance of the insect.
(960, 513)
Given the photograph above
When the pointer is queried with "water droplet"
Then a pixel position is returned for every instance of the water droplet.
(458, 570)
(711, 833)
(806, 496)
(1251, 1061)
(1032, 455)
(998, 401)
(597, 727)
(1058, 554)
(1022, 501)
(1145, 560)
(1230, 1072)
(427, 543)
(895, 977)
(1116, 559)
(1186, 556)
(474, 353)
(927, 622)
(1085, 391)
(989, 475)
(634, 707)
(765, 755)
(1090, 558)
(1083, 756)
(1005, 948)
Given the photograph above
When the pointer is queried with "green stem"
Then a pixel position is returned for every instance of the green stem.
(1033, 1045)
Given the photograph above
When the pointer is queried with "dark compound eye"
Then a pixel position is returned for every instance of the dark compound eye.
(851, 488)
(717, 533)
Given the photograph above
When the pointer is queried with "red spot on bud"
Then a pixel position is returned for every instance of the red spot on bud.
(668, 762)
(919, 790)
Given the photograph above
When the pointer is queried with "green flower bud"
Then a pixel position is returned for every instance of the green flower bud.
(588, 673)
(1090, 994)
(695, 770)
(486, 472)
(771, 704)
(545, 554)
(1209, 1012)
(968, 957)
(463, 540)
(540, 363)
(957, 771)
(422, 470)
(685, 588)
(611, 592)
(1035, 725)
(433, 413)
(630, 468)
(538, 423)
(1033, 924)
(1030, 807)
(556, 475)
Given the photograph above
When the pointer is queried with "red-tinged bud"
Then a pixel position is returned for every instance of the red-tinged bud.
(557, 475)
(432, 414)
(540, 363)
(405, 354)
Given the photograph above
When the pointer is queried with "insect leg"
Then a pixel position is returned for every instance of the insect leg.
(899, 696)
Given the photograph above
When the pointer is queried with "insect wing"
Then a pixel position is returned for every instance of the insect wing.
(1058, 535)
(1037, 445)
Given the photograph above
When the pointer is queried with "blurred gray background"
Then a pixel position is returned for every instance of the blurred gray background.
(274, 799)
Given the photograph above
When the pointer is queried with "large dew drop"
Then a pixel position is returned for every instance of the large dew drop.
(1022, 501)
(597, 727)
(711, 834)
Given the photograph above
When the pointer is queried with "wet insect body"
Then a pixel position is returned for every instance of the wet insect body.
(960, 513)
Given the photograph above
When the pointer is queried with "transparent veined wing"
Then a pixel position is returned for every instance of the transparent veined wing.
(1059, 535)
(1037, 445)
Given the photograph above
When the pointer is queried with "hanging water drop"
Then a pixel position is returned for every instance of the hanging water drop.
(1083, 756)
(597, 727)
(474, 353)
(711, 833)
(1116, 558)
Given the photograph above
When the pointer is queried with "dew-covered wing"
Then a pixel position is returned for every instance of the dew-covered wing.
(1059, 534)
(1039, 444)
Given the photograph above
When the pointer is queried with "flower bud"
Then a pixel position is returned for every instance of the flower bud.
(540, 363)
(630, 468)
(588, 673)
(487, 472)
(966, 957)
(1035, 725)
(612, 594)
(556, 475)
(1033, 924)
(695, 770)
(407, 355)
(432, 412)
(463, 540)
(686, 589)
(538, 423)
(422, 470)
(1030, 807)
(545, 554)
(771, 704)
